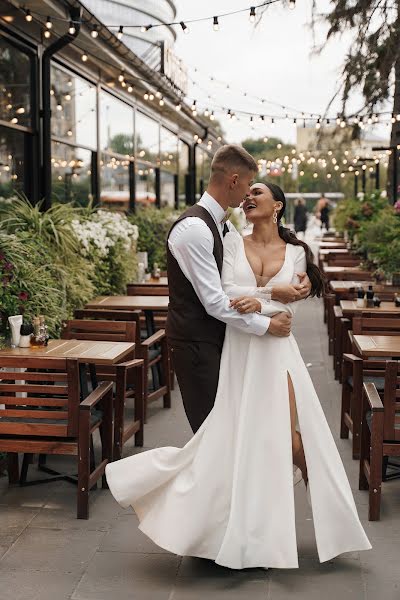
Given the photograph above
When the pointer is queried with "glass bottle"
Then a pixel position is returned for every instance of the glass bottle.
(36, 341)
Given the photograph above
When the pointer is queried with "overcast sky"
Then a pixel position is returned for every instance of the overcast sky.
(273, 61)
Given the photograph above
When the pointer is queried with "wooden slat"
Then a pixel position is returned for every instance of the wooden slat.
(34, 389)
(28, 401)
(28, 376)
(34, 414)
(38, 446)
(33, 429)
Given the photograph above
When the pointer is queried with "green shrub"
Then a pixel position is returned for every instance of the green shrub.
(380, 239)
(351, 213)
(154, 225)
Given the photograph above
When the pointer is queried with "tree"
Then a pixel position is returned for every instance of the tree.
(372, 63)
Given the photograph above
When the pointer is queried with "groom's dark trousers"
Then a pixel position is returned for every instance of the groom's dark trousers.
(195, 338)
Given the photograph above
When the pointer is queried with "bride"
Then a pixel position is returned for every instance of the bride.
(228, 495)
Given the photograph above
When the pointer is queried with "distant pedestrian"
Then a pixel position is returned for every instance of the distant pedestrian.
(300, 218)
(325, 210)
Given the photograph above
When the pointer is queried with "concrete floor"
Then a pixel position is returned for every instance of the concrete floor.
(47, 554)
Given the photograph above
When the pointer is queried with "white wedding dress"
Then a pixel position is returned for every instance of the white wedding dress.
(228, 494)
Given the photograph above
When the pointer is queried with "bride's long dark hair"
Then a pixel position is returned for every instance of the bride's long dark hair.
(316, 277)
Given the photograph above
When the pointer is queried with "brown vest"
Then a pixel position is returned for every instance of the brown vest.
(187, 319)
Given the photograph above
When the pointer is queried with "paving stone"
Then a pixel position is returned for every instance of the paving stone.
(202, 569)
(133, 576)
(220, 589)
(340, 578)
(32, 585)
(13, 520)
(52, 550)
(124, 536)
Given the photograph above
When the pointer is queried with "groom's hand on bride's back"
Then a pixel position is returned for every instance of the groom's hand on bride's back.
(292, 293)
(280, 325)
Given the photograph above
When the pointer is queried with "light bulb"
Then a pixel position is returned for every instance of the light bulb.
(185, 28)
(215, 24)
(178, 107)
(292, 4)
(49, 24)
(47, 34)
(252, 17)
(94, 33)
(71, 29)
(120, 32)
(84, 57)
(28, 16)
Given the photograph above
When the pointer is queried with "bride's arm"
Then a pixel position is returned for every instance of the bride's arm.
(271, 308)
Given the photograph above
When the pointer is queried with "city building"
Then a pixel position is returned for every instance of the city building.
(96, 113)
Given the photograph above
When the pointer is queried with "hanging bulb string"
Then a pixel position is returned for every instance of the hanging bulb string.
(154, 25)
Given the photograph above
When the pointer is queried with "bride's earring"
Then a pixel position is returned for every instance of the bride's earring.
(275, 217)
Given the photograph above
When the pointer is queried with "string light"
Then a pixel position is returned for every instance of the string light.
(94, 33)
(71, 29)
(121, 77)
(215, 24)
(185, 28)
(47, 34)
(161, 101)
(28, 16)
(252, 16)
(84, 57)
(292, 4)
(49, 24)
(178, 107)
(120, 33)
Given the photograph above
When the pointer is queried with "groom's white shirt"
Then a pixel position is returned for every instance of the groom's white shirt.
(192, 244)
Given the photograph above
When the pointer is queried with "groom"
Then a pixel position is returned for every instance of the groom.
(198, 308)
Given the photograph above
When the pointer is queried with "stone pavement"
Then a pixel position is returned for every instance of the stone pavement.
(47, 554)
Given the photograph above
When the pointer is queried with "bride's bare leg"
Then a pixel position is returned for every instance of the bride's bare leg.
(299, 458)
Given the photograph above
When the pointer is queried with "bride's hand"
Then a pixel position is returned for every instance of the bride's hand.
(246, 304)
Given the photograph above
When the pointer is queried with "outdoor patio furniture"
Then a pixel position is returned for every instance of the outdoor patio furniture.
(367, 367)
(153, 350)
(45, 415)
(380, 434)
(128, 376)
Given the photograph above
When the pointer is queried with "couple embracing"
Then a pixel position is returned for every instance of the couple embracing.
(228, 494)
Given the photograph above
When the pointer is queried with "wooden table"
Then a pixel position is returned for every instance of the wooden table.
(148, 304)
(330, 251)
(327, 245)
(345, 272)
(88, 352)
(378, 345)
(341, 285)
(152, 281)
(350, 309)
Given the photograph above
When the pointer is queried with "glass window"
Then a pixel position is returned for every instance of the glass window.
(71, 174)
(169, 151)
(116, 125)
(11, 162)
(145, 184)
(73, 108)
(167, 189)
(114, 182)
(15, 85)
(147, 139)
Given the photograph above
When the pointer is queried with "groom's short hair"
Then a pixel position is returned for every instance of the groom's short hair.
(231, 157)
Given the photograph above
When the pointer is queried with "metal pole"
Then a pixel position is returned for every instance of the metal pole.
(364, 180)
(76, 15)
(355, 185)
(377, 177)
